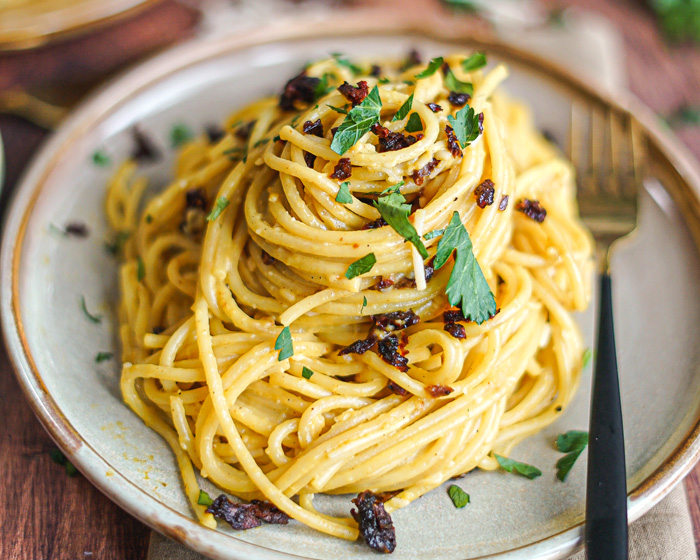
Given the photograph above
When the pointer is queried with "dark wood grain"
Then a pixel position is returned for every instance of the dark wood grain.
(46, 515)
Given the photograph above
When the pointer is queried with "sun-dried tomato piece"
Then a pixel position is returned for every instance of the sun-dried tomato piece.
(420, 174)
(380, 130)
(334, 130)
(239, 516)
(504, 202)
(299, 88)
(452, 142)
(391, 141)
(434, 107)
(267, 259)
(380, 222)
(386, 496)
(244, 130)
(484, 193)
(458, 99)
(309, 159)
(375, 71)
(481, 123)
(269, 513)
(314, 128)
(145, 150)
(395, 321)
(388, 349)
(342, 170)
(214, 133)
(195, 198)
(413, 59)
(532, 209)
(454, 316)
(375, 523)
(397, 389)
(358, 347)
(439, 390)
(354, 94)
(456, 330)
(383, 284)
(77, 229)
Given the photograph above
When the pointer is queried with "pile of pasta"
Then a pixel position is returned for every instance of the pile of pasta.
(249, 239)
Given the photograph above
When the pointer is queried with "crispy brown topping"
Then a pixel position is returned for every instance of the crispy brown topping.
(310, 159)
(246, 516)
(299, 88)
(504, 203)
(77, 229)
(358, 347)
(157, 329)
(354, 94)
(195, 198)
(532, 209)
(386, 496)
(390, 141)
(376, 71)
(439, 390)
(388, 349)
(484, 193)
(395, 321)
(452, 142)
(434, 107)
(145, 150)
(383, 284)
(454, 316)
(342, 170)
(267, 259)
(194, 220)
(481, 123)
(456, 330)
(458, 99)
(214, 133)
(314, 128)
(375, 523)
(413, 59)
(334, 130)
(397, 389)
(420, 174)
(244, 130)
(375, 224)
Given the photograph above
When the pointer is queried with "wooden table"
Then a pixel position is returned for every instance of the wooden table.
(44, 514)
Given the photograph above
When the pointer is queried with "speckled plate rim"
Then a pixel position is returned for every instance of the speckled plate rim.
(671, 160)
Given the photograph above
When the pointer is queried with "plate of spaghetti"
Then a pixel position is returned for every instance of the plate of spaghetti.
(282, 302)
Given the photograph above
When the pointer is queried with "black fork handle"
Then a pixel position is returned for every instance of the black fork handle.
(606, 491)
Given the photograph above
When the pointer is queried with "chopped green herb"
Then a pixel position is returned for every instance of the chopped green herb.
(140, 269)
(555, 17)
(323, 87)
(404, 109)
(219, 207)
(384, 80)
(60, 459)
(364, 304)
(116, 246)
(464, 5)
(261, 142)
(586, 357)
(103, 357)
(179, 134)
(239, 153)
(70, 469)
(523, 469)
(433, 234)
(572, 443)
(474, 62)
(361, 266)
(467, 284)
(431, 69)
(344, 196)
(295, 120)
(414, 123)
(393, 208)
(204, 499)
(57, 230)
(149, 219)
(306, 373)
(342, 61)
(684, 115)
(284, 344)
(100, 158)
(93, 318)
(276, 139)
(357, 123)
(453, 84)
(465, 125)
(340, 110)
(458, 496)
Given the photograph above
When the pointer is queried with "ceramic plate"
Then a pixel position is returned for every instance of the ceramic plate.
(53, 345)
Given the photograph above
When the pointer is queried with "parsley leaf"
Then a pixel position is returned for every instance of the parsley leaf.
(93, 318)
(354, 68)
(361, 266)
(435, 233)
(458, 496)
(140, 270)
(521, 468)
(219, 207)
(116, 246)
(344, 196)
(466, 125)
(431, 69)
(586, 357)
(464, 5)
(103, 357)
(393, 208)
(453, 84)
(467, 283)
(100, 158)
(572, 443)
(414, 123)
(204, 499)
(323, 87)
(306, 373)
(404, 109)
(358, 122)
(340, 110)
(474, 62)
(364, 304)
(59, 458)
(179, 134)
(284, 344)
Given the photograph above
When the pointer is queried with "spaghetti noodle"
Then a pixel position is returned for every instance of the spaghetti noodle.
(240, 289)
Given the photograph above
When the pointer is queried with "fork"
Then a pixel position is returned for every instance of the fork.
(606, 150)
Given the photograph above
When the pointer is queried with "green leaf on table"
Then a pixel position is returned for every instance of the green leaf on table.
(572, 443)
(458, 496)
(523, 469)
(361, 266)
